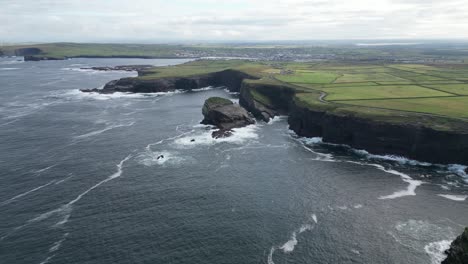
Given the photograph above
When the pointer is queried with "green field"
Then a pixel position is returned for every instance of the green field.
(309, 77)
(381, 92)
(374, 91)
(448, 106)
(438, 90)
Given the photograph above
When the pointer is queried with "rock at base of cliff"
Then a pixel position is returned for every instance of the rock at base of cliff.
(458, 251)
(221, 133)
(225, 115)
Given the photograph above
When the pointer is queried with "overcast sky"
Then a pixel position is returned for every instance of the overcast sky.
(223, 20)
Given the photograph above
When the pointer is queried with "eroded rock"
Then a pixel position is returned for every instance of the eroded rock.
(225, 115)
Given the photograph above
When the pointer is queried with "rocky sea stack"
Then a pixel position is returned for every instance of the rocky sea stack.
(225, 115)
(458, 251)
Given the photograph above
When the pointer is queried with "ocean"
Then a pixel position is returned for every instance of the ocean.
(81, 182)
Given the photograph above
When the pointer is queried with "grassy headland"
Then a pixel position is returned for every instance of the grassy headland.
(431, 95)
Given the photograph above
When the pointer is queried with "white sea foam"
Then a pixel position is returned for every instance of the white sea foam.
(162, 158)
(305, 142)
(398, 159)
(77, 94)
(90, 71)
(436, 250)
(26, 193)
(313, 140)
(458, 198)
(410, 190)
(11, 62)
(358, 206)
(65, 210)
(314, 217)
(239, 136)
(47, 260)
(276, 119)
(45, 169)
(229, 92)
(423, 236)
(9, 69)
(97, 132)
(64, 179)
(459, 170)
(56, 245)
(270, 256)
(203, 89)
(290, 244)
(412, 184)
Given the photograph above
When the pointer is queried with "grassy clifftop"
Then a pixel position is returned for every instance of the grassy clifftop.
(63, 50)
(430, 95)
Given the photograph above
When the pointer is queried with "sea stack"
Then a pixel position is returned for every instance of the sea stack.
(225, 115)
(458, 251)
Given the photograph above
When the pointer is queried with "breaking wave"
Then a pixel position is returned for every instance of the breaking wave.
(239, 136)
(458, 198)
(289, 245)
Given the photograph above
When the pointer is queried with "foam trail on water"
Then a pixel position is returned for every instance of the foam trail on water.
(26, 193)
(270, 256)
(410, 190)
(97, 132)
(56, 245)
(111, 177)
(65, 210)
(290, 244)
(46, 169)
(412, 184)
(458, 198)
(62, 180)
(148, 147)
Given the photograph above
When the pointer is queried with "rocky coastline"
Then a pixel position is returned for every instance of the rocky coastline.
(409, 140)
(458, 251)
(225, 115)
(41, 58)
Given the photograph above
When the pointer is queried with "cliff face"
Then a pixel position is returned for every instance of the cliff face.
(229, 78)
(265, 101)
(458, 252)
(224, 114)
(407, 140)
(276, 100)
(27, 51)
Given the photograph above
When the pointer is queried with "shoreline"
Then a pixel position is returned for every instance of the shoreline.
(44, 58)
(412, 141)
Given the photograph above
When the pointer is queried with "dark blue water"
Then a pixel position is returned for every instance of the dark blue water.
(80, 182)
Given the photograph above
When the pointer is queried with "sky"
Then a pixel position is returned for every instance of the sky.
(159, 21)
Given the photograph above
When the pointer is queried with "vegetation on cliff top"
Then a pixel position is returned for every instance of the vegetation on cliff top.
(431, 95)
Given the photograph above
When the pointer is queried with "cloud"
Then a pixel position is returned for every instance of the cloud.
(159, 21)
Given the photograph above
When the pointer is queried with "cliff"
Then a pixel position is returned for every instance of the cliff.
(404, 139)
(27, 51)
(229, 78)
(224, 114)
(458, 252)
(266, 98)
